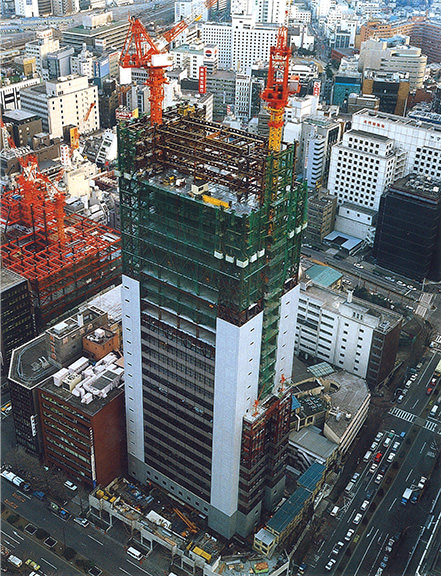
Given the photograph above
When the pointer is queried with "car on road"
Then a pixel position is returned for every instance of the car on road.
(379, 436)
(355, 477)
(357, 518)
(400, 398)
(71, 485)
(32, 564)
(389, 545)
(349, 534)
(330, 565)
(82, 521)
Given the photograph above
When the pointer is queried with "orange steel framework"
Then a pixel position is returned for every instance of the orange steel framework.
(65, 258)
(141, 51)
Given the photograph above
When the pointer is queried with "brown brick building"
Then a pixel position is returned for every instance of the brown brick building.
(84, 436)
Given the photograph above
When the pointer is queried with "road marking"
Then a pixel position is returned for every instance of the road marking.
(139, 567)
(432, 426)
(422, 447)
(416, 402)
(390, 507)
(9, 543)
(18, 535)
(92, 538)
(47, 562)
(408, 476)
(124, 570)
(367, 550)
(25, 495)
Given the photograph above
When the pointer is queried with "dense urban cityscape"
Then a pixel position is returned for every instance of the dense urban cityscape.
(220, 287)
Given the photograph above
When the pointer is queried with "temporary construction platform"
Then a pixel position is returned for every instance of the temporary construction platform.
(250, 180)
(66, 258)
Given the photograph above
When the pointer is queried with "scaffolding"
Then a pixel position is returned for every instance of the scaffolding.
(66, 258)
(229, 252)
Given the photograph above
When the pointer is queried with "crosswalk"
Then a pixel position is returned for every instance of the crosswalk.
(432, 426)
(402, 414)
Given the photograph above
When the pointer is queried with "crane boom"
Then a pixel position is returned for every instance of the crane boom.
(141, 51)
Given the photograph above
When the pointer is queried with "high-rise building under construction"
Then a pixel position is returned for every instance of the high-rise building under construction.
(212, 223)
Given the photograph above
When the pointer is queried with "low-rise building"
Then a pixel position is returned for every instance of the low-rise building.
(35, 362)
(344, 331)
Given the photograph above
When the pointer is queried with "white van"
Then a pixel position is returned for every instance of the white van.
(334, 511)
(367, 456)
(134, 553)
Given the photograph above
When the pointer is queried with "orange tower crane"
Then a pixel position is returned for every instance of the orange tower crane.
(141, 51)
(278, 87)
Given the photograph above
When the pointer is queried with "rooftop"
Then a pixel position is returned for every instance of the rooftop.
(312, 441)
(405, 121)
(312, 476)
(18, 115)
(8, 279)
(76, 403)
(348, 393)
(289, 510)
(419, 185)
(324, 275)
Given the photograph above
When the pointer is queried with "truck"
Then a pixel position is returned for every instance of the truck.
(437, 372)
(16, 480)
(407, 495)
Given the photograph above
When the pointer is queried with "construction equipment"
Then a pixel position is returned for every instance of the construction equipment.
(141, 51)
(278, 87)
(86, 117)
(191, 525)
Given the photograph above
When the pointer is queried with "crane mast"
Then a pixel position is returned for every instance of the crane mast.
(277, 89)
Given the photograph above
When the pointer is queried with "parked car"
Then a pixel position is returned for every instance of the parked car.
(71, 485)
(349, 534)
(357, 518)
(330, 565)
(82, 521)
(378, 479)
(364, 506)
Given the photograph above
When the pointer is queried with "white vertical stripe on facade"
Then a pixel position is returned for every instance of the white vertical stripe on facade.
(131, 323)
(235, 389)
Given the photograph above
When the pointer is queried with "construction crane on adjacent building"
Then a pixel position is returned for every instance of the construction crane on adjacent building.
(278, 87)
(140, 50)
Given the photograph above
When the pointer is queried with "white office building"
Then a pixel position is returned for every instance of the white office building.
(379, 56)
(361, 167)
(39, 48)
(65, 101)
(343, 331)
(27, 8)
(242, 43)
(421, 141)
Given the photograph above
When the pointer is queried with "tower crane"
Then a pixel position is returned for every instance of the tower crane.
(278, 87)
(140, 50)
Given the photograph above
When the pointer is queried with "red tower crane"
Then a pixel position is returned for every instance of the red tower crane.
(141, 51)
(278, 87)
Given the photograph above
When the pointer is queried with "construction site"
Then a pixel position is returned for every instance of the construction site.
(157, 521)
(66, 258)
